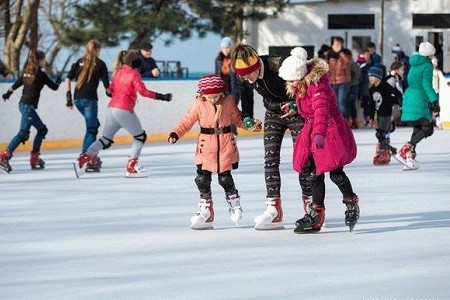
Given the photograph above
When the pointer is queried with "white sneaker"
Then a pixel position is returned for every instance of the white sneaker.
(204, 218)
(272, 217)
(235, 208)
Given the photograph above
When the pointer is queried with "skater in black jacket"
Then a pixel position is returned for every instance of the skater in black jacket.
(33, 81)
(383, 97)
(260, 73)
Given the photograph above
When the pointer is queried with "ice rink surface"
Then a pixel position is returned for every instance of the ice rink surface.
(105, 236)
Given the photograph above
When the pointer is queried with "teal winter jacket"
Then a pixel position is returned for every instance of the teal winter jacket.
(420, 92)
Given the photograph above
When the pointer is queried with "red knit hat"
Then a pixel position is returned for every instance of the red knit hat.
(212, 84)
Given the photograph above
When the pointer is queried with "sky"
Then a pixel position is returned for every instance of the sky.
(105, 236)
(197, 54)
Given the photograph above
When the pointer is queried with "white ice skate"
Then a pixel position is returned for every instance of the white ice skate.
(235, 208)
(272, 217)
(204, 218)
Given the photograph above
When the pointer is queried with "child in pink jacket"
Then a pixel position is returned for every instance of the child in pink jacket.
(216, 151)
(326, 141)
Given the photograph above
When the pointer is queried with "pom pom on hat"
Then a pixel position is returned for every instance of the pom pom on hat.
(294, 67)
(226, 43)
(212, 84)
(375, 72)
(426, 49)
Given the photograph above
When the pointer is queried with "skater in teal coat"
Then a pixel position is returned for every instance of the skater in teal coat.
(419, 101)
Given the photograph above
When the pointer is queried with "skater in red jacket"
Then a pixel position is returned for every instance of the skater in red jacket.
(326, 141)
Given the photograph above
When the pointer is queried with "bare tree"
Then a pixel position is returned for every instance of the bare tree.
(16, 30)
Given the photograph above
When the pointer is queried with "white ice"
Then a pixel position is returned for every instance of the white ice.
(105, 236)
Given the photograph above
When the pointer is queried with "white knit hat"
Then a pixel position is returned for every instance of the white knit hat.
(294, 67)
(426, 49)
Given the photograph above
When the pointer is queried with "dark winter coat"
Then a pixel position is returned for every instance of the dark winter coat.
(319, 109)
(231, 78)
(420, 93)
(271, 87)
(32, 92)
(383, 97)
(89, 89)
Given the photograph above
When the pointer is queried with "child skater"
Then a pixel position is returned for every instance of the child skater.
(33, 81)
(217, 151)
(383, 97)
(326, 141)
(125, 84)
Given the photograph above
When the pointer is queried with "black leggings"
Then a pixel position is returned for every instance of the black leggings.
(337, 176)
(274, 130)
(421, 130)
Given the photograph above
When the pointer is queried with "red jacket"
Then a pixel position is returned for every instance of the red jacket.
(319, 109)
(216, 153)
(125, 83)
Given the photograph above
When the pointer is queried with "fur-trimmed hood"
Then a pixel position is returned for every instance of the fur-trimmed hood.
(316, 69)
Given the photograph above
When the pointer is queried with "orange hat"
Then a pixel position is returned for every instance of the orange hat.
(243, 68)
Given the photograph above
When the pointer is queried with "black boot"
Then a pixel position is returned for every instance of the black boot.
(352, 212)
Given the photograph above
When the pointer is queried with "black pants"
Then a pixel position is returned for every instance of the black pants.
(421, 130)
(337, 176)
(274, 130)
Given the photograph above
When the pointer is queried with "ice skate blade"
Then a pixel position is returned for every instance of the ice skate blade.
(4, 170)
(405, 164)
(408, 168)
(269, 226)
(137, 175)
(202, 226)
(300, 230)
(78, 171)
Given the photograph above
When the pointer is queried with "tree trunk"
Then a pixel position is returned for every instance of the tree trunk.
(17, 34)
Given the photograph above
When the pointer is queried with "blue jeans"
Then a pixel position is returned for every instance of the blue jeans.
(89, 109)
(341, 91)
(29, 118)
(351, 103)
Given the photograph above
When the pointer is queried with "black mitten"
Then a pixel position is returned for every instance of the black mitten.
(435, 107)
(7, 95)
(163, 97)
(69, 101)
(173, 135)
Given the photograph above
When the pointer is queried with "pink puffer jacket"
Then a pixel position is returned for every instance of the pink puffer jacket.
(319, 109)
(216, 153)
(124, 86)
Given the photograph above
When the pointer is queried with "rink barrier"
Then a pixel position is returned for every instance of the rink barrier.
(118, 140)
(66, 128)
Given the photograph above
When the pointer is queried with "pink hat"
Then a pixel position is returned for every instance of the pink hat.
(212, 84)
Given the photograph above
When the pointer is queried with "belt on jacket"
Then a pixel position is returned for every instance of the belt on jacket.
(225, 129)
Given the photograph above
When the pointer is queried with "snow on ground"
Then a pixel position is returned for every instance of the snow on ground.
(105, 236)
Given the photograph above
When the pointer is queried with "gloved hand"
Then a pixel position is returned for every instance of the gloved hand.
(6, 95)
(289, 109)
(249, 123)
(69, 101)
(164, 97)
(318, 142)
(58, 79)
(435, 108)
(173, 138)
(108, 93)
(257, 126)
